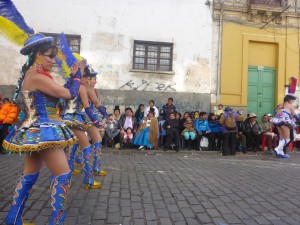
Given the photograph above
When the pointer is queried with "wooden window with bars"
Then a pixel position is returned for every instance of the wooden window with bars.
(72, 39)
(153, 56)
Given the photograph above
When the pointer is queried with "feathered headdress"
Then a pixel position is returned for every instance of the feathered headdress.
(14, 28)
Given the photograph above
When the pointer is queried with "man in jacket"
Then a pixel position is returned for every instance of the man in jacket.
(127, 120)
(252, 130)
(171, 126)
(168, 109)
(229, 118)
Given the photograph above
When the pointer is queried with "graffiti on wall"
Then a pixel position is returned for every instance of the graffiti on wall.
(145, 85)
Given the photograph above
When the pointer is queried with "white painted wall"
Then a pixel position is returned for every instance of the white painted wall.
(108, 28)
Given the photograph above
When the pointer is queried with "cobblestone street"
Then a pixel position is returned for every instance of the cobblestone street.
(168, 188)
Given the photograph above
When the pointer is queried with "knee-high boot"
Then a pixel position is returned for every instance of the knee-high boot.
(88, 179)
(71, 159)
(21, 194)
(79, 158)
(59, 191)
(96, 164)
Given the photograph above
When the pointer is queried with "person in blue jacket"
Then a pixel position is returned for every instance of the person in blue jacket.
(215, 137)
(201, 127)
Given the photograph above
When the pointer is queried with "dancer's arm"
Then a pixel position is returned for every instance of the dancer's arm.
(92, 95)
(85, 102)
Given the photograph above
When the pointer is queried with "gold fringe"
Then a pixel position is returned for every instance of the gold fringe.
(38, 147)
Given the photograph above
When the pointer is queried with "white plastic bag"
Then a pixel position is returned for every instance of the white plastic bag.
(204, 142)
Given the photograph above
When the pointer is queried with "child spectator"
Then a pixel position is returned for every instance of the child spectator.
(202, 127)
(215, 136)
(219, 111)
(189, 132)
(128, 136)
(112, 129)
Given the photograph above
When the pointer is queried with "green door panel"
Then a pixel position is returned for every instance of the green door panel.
(261, 90)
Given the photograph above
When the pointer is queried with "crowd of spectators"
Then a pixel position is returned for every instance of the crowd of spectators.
(224, 130)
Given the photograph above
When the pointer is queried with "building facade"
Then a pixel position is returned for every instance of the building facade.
(259, 51)
(142, 50)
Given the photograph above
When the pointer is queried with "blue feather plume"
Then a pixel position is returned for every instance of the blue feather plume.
(9, 11)
(64, 47)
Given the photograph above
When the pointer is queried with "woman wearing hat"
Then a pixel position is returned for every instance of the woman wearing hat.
(147, 133)
(90, 81)
(78, 115)
(42, 135)
(285, 120)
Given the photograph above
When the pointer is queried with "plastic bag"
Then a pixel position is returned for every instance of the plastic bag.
(204, 142)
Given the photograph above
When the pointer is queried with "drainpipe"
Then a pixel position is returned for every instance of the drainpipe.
(220, 52)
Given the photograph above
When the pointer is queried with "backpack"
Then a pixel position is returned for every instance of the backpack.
(230, 121)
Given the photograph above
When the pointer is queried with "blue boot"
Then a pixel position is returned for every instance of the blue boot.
(59, 191)
(71, 159)
(97, 165)
(88, 179)
(21, 194)
(79, 158)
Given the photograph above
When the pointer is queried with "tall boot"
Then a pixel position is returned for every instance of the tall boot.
(71, 159)
(79, 159)
(59, 192)
(21, 194)
(88, 179)
(96, 166)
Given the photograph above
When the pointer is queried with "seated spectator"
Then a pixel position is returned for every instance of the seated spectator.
(267, 134)
(201, 127)
(5, 100)
(178, 116)
(215, 136)
(117, 113)
(139, 114)
(151, 105)
(128, 136)
(241, 138)
(147, 133)
(112, 129)
(219, 111)
(195, 116)
(182, 121)
(229, 120)
(171, 127)
(252, 131)
(189, 132)
(127, 120)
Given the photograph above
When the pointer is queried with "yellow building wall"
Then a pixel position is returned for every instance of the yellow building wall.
(243, 46)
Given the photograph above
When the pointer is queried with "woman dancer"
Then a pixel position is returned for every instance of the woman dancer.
(90, 81)
(42, 135)
(79, 122)
(284, 120)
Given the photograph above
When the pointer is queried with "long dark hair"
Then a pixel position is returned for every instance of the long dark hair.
(210, 115)
(31, 58)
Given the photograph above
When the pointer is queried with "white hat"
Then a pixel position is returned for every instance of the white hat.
(252, 115)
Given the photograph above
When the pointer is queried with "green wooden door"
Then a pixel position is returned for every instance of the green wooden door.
(261, 90)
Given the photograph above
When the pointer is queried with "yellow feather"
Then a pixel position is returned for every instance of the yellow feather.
(12, 32)
(78, 57)
(66, 69)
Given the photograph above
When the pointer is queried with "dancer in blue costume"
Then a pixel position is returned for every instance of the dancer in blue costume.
(42, 135)
(79, 117)
(285, 120)
(90, 81)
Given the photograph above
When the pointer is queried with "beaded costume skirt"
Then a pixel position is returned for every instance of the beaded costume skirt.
(39, 136)
(79, 121)
(283, 118)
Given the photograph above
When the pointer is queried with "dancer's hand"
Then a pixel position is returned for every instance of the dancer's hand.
(74, 68)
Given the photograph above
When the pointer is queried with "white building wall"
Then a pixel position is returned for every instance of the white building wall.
(108, 29)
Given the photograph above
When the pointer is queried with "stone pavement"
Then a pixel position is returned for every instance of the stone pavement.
(168, 188)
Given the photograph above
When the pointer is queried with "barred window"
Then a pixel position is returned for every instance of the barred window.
(72, 39)
(155, 56)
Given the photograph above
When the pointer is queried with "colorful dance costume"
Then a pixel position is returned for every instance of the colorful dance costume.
(283, 117)
(97, 145)
(41, 129)
(76, 118)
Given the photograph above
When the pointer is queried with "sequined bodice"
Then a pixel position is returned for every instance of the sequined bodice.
(38, 107)
(72, 106)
